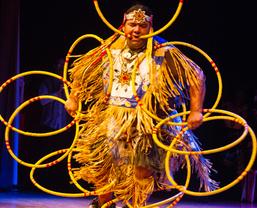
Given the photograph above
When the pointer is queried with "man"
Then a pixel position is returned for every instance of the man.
(115, 144)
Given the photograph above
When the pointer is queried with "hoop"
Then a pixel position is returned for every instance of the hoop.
(99, 12)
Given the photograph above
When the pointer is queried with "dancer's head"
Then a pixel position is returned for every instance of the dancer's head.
(137, 22)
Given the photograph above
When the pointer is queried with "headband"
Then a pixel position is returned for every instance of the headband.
(138, 16)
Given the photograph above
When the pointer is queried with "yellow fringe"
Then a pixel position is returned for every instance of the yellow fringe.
(143, 189)
(104, 124)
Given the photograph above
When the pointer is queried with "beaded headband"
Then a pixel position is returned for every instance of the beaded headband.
(138, 16)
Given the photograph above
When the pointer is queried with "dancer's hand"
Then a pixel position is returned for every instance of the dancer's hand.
(71, 106)
(195, 119)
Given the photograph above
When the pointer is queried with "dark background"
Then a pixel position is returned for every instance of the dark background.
(223, 29)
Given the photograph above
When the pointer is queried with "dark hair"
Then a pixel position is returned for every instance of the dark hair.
(140, 6)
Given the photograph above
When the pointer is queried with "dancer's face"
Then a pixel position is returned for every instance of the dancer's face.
(135, 30)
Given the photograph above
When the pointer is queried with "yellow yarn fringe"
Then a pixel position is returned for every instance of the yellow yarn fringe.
(143, 189)
(102, 125)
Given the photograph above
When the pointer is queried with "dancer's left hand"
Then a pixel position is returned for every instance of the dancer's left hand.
(195, 119)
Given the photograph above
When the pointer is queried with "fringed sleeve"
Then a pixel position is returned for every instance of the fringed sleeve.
(86, 73)
(175, 75)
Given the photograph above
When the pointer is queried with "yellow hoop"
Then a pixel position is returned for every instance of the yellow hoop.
(31, 134)
(144, 36)
(84, 193)
(214, 66)
(231, 117)
(238, 179)
(68, 56)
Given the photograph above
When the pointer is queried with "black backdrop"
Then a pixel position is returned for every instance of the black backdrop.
(9, 27)
(223, 29)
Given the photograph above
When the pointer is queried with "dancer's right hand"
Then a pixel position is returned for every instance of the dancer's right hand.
(71, 106)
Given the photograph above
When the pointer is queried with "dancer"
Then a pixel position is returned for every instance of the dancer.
(115, 140)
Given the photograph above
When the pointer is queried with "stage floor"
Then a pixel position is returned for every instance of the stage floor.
(39, 200)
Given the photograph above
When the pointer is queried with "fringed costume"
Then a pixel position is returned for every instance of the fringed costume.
(116, 136)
